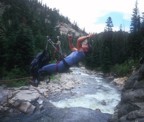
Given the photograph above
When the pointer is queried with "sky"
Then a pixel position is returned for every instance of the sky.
(91, 15)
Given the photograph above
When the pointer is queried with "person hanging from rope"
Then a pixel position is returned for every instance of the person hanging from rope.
(78, 53)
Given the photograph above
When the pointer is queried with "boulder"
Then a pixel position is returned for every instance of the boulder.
(131, 106)
(26, 107)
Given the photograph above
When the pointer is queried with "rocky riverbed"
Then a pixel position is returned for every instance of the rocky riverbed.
(80, 95)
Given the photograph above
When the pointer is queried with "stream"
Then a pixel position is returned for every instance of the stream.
(93, 92)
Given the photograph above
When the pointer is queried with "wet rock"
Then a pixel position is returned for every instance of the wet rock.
(14, 103)
(120, 81)
(23, 106)
(85, 115)
(131, 107)
(103, 102)
(40, 101)
(75, 114)
(24, 88)
(98, 110)
(18, 99)
(135, 114)
(41, 107)
(133, 95)
(3, 96)
(26, 107)
(26, 95)
(68, 85)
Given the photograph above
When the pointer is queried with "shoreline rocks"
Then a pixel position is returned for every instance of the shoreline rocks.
(21, 99)
(131, 107)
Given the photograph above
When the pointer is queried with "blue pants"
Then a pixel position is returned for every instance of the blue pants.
(63, 65)
(54, 68)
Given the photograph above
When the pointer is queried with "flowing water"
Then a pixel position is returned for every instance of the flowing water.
(93, 92)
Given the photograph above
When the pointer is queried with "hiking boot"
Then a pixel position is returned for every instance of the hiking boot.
(35, 81)
(42, 75)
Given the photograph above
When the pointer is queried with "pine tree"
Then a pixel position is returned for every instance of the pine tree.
(109, 24)
(135, 20)
(142, 24)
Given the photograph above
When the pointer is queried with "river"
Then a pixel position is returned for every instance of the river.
(93, 91)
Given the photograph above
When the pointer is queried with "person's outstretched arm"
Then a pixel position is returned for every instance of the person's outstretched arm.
(71, 46)
(81, 39)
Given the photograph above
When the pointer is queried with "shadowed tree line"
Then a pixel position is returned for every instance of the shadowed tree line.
(118, 51)
(24, 25)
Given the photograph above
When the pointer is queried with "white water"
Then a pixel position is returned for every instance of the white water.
(104, 97)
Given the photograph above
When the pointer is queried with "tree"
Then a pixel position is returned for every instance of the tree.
(120, 27)
(24, 25)
(109, 24)
(135, 43)
(142, 24)
(135, 20)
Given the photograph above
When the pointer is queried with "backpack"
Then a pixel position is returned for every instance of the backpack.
(39, 61)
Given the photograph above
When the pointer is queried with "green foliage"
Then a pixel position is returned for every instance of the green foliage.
(121, 70)
(109, 48)
(24, 25)
(17, 83)
(13, 77)
(15, 73)
(125, 68)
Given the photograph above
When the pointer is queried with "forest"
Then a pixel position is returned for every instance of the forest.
(24, 25)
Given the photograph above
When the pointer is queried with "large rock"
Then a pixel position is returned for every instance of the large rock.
(26, 95)
(3, 96)
(52, 114)
(22, 98)
(65, 28)
(26, 107)
(131, 107)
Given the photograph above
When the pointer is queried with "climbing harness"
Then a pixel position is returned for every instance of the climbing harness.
(60, 53)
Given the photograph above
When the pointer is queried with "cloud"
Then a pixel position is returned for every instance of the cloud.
(88, 12)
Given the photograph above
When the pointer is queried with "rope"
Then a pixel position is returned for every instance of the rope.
(15, 79)
(51, 42)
